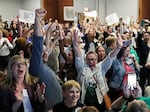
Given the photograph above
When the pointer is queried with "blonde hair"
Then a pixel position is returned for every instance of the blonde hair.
(10, 81)
(110, 40)
(69, 84)
(88, 109)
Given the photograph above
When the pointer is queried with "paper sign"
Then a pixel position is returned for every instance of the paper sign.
(127, 20)
(112, 19)
(26, 16)
(91, 14)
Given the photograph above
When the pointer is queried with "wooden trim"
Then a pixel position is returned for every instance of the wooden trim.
(140, 9)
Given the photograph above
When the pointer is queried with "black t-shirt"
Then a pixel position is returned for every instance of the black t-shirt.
(60, 107)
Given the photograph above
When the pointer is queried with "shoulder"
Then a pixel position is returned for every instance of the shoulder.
(59, 107)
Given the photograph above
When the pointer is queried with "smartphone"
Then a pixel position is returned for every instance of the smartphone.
(126, 43)
(132, 81)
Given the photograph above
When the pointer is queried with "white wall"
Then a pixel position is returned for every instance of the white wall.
(79, 5)
(9, 8)
(31, 5)
(101, 10)
(123, 8)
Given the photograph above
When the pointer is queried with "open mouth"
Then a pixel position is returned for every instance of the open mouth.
(20, 71)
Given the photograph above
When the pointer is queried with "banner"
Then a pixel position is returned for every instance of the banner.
(112, 19)
(26, 16)
(91, 14)
(127, 20)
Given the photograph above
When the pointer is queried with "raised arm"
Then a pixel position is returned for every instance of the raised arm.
(39, 15)
(36, 60)
(107, 62)
(118, 47)
(79, 58)
(19, 27)
(48, 42)
(75, 40)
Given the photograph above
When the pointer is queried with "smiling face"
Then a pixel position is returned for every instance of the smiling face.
(72, 95)
(101, 53)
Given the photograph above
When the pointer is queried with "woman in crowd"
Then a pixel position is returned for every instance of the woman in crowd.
(91, 39)
(71, 94)
(5, 47)
(100, 50)
(138, 102)
(91, 75)
(17, 81)
(123, 65)
(68, 70)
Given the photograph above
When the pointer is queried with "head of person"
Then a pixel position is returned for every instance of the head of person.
(100, 53)
(10, 32)
(91, 59)
(124, 52)
(20, 45)
(111, 41)
(70, 57)
(28, 50)
(71, 92)
(109, 29)
(88, 109)
(45, 54)
(14, 25)
(137, 106)
(91, 33)
(146, 36)
(17, 71)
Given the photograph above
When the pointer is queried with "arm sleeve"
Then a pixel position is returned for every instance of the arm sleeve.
(36, 60)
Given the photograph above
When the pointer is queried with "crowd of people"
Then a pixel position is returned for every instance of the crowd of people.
(89, 67)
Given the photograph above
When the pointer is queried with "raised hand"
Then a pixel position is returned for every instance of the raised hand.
(126, 91)
(137, 92)
(61, 32)
(75, 37)
(40, 90)
(40, 13)
(119, 40)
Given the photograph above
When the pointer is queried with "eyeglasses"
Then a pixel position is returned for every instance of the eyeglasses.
(91, 59)
(19, 64)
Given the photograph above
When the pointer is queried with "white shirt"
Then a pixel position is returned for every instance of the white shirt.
(4, 48)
